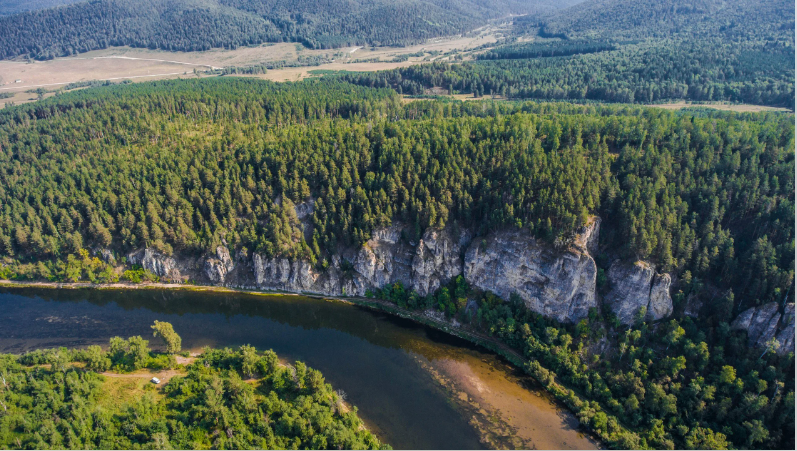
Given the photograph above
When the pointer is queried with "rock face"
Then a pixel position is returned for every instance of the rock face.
(765, 322)
(587, 236)
(636, 286)
(556, 283)
(218, 266)
(283, 274)
(107, 256)
(384, 259)
(437, 260)
(160, 265)
(786, 335)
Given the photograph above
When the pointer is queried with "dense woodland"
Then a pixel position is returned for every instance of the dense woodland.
(194, 25)
(682, 384)
(51, 403)
(629, 51)
(180, 165)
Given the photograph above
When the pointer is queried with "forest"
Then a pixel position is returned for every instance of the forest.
(182, 165)
(196, 25)
(57, 399)
(628, 52)
(704, 195)
(680, 384)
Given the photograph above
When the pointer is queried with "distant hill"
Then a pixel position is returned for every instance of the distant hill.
(192, 25)
(640, 19)
(9, 7)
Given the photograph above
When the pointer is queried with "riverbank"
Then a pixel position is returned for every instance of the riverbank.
(521, 416)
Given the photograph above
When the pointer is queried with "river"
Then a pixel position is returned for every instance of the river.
(415, 387)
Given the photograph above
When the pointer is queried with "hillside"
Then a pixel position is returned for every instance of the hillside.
(647, 257)
(193, 25)
(641, 19)
(631, 52)
(9, 7)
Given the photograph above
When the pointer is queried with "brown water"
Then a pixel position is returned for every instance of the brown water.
(415, 387)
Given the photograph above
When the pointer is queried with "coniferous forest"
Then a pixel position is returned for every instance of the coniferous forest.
(181, 165)
(629, 52)
(195, 25)
(560, 135)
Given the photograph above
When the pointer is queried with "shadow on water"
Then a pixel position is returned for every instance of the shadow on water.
(374, 357)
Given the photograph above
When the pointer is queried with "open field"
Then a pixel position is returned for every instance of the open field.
(739, 108)
(125, 63)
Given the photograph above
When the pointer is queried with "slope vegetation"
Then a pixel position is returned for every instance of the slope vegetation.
(193, 25)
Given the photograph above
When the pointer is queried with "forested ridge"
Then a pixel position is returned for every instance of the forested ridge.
(194, 25)
(629, 51)
(182, 165)
(56, 399)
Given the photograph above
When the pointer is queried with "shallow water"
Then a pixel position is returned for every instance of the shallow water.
(415, 387)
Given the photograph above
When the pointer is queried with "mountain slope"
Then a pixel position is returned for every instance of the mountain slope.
(640, 19)
(9, 7)
(192, 25)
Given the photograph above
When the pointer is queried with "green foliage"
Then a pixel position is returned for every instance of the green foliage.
(194, 25)
(211, 407)
(660, 389)
(170, 338)
(629, 51)
(129, 355)
(711, 195)
(646, 72)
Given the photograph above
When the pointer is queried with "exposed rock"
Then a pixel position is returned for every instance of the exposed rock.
(217, 268)
(437, 260)
(283, 274)
(305, 209)
(638, 286)
(763, 322)
(587, 237)
(107, 256)
(156, 263)
(786, 335)
(693, 306)
(558, 284)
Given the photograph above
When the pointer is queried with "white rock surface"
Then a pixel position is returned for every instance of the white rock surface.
(634, 286)
(556, 283)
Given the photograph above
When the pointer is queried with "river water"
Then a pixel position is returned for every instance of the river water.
(415, 387)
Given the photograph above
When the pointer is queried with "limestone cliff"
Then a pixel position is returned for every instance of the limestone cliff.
(765, 322)
(155, 262)
(636, 286)
(557, 283)
(217, 267)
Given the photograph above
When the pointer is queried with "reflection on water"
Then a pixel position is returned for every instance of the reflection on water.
(380, 361)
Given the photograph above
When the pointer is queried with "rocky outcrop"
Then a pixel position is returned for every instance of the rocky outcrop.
(437, 260)
(786, 335)
(286, 275)
(107, 256)
(156, 263)
(587, 236)
(384, 259)
(765, 322)
(556, 283)
(217, 267)
(636, 286)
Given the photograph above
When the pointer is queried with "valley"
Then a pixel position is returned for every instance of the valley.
(499, 224)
